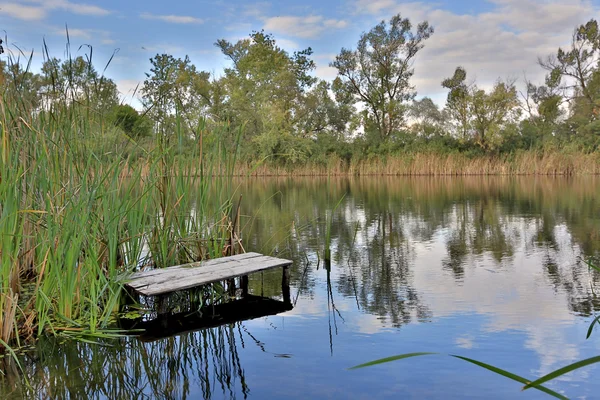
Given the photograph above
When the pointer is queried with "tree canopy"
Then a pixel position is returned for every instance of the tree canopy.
(288, 115)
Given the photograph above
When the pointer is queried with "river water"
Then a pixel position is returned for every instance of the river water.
(486, 268)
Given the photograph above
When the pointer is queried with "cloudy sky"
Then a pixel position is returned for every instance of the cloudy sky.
(492, 39)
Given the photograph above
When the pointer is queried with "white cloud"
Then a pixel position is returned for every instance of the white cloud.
(372, 6)
(40, 10)
(326, 72)
(256, 10)
(77, 33)
(308, 27)
(173, 19)
(287, 44)
(130, 92)
(81, 9)
(86, 34)
(504, 42)
(323, 70)
(19, 11)
(69, 6)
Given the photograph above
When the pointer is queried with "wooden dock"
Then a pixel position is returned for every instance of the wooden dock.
(162, 281)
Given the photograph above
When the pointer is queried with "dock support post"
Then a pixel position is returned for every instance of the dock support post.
(244, 285)
(285, 285)
(231, 287)
(161, 304)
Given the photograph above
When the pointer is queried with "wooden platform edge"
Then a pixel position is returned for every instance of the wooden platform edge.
(187, 276)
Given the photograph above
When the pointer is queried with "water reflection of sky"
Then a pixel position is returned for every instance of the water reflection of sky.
(425, 266)
(503, 310)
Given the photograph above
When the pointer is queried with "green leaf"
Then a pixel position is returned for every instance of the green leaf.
(591, 265)
(509, 375)
(591, 328)
(562, 371)
(390, 359)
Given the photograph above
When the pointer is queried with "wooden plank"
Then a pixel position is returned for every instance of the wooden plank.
(161, 281)
(229, 268)
(203, 264)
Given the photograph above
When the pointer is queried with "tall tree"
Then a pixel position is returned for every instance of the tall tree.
(457, 102)
(164, 87)
(378, 72)
(18, 83)
(478, 113)
(175, 87)
(264, 90)
(493, 110)
(77, 81)
(427, 117)
(574, 72)
(574, 68)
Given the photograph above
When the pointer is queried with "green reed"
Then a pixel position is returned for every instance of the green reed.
(78, 215)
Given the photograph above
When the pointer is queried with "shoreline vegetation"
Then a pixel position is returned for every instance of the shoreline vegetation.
(92, 189)
(366, 121)
(431, 164)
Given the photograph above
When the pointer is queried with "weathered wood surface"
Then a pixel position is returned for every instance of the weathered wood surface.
(172, 279)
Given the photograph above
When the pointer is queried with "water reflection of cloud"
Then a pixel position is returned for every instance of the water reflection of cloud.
(466, 341)
(520, 298)
(510, 287)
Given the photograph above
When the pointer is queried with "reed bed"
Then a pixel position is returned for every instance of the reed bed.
(543, 163)
(75, 220)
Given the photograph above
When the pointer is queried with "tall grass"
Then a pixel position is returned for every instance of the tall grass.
(75, 218)
(546, 163)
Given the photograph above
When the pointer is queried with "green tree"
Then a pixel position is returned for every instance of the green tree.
(574, 68)
(458, 100)
(265, 88)
(493, 111)
(20, 84)
(574, 74)
(131, 122)
(76, 81)
(378, 72)
(174, 87)
(427, 118)
(164, 88)
(482, 114)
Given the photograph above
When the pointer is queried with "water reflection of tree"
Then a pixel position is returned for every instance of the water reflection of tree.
(476, 216)
(132, 369)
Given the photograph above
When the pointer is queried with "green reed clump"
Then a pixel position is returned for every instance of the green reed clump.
(76, 219)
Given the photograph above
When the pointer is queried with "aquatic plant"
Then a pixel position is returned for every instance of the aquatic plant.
(78, 212)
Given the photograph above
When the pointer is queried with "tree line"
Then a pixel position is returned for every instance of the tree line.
(289, 116)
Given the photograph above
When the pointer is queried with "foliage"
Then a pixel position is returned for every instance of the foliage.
(131, 122)
(77, 210)
(378, 72)
(368, 112)
(480, 114)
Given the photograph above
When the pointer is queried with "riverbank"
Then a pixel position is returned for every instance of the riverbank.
(553, 163)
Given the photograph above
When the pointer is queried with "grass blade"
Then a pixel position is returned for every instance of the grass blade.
(510, 375)
(591, 328)
(390, 359)
(562, 371)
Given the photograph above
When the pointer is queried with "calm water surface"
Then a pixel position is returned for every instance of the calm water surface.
(487, 268)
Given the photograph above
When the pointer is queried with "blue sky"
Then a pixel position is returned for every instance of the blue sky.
(492, 39)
